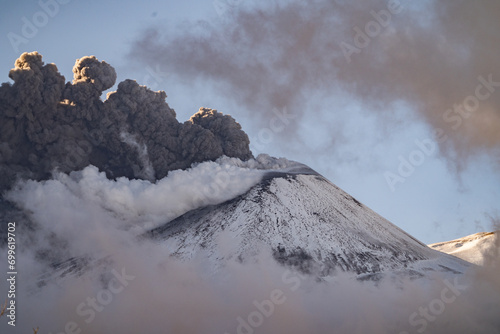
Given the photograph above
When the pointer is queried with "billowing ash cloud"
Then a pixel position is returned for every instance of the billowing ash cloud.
(437, 57)
(47, 124)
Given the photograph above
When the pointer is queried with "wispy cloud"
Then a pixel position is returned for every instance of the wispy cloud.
(428, 55)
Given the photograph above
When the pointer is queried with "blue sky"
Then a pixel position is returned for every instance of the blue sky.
(433, 204)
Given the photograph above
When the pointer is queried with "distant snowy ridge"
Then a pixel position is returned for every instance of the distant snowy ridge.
(473, 248)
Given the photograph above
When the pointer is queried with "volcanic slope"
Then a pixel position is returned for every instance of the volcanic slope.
(307, 223)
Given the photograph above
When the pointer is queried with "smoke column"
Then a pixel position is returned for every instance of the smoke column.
(431, 57)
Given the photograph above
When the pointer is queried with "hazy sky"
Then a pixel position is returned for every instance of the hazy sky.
(344, 106)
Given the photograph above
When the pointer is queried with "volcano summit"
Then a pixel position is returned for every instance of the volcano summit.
(306, 222)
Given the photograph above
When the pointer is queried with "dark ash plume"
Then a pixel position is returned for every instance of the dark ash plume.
(47, 124)
(431, 55)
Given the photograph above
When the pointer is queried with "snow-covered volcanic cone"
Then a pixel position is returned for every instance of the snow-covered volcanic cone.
(307, 223)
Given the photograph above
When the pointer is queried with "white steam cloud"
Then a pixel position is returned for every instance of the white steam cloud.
(132, 284)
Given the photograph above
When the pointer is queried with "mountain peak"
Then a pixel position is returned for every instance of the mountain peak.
(305, 222)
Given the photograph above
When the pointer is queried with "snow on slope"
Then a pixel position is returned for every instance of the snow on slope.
(307, 223)
(472, 248)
